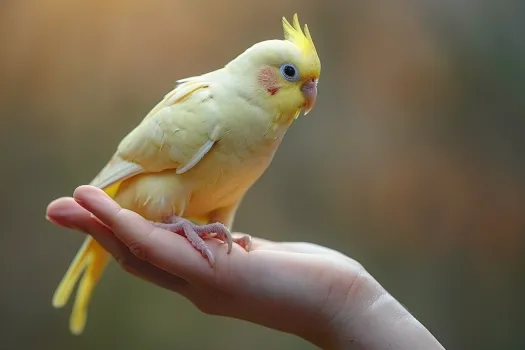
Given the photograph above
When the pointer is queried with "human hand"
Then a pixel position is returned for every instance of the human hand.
(311, 291)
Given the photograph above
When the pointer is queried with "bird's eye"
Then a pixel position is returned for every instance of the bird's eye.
(289, 72)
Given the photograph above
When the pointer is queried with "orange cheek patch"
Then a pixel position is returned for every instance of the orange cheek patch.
(268, 80)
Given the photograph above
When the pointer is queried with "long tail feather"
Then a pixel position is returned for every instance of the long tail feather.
(88, 265)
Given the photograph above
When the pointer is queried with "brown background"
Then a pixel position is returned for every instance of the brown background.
(412, 161)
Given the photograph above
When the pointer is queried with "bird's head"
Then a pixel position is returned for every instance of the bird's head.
(283, 74)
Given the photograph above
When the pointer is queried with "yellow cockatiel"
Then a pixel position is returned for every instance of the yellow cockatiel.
(198, 151)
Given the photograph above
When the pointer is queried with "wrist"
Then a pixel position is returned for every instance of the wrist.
(373, 319)
(333, 325)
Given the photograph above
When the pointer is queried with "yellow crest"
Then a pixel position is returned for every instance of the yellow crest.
(294, 34)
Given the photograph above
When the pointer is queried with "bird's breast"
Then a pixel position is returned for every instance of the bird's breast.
(231, 167)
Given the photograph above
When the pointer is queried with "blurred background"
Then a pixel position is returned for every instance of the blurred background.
(412, 162)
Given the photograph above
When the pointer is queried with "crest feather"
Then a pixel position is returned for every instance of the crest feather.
(296, 35)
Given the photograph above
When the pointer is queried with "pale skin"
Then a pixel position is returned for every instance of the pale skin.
(304, 289)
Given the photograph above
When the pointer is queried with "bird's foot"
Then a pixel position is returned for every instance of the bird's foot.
(196, 234)
(244, 241)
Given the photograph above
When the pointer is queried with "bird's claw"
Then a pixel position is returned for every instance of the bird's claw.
(245, 241)
(196, 234)
(216, 230)
(206, 252)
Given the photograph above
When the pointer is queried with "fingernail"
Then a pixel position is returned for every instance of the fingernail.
(95, 218)
(61, 224)
(51, 220)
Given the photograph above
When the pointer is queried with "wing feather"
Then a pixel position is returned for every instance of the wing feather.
(176, 134)
(116, 170)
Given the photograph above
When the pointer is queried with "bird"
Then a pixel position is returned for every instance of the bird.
(189, 163)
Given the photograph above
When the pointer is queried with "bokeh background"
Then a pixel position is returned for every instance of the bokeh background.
(412, 162)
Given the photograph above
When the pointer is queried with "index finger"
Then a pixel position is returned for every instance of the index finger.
(66, 212)
(162, 248)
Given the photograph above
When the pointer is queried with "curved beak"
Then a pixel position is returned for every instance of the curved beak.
(309, 90)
